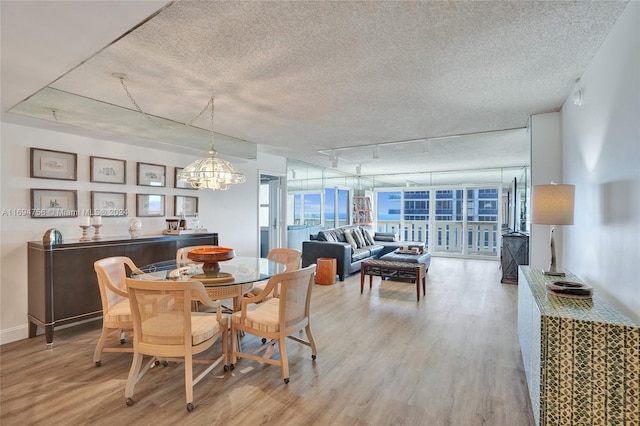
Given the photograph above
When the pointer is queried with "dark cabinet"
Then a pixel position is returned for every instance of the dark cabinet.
(514, 252)
(62, 284)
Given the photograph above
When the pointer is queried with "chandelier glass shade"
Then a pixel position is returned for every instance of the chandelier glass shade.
(211, 173)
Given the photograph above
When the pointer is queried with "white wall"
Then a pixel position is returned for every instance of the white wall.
(232, 214)
(601, 155)
(546, 167)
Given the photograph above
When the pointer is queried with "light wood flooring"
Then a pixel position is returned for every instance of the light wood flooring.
(383, 359)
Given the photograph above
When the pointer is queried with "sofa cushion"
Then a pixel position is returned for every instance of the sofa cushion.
(357, 235)
(328, 235)
(350, 240)
(360, 254)
(385, 236)
(368, 237)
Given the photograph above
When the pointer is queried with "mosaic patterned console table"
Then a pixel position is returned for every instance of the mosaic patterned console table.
(581, 357)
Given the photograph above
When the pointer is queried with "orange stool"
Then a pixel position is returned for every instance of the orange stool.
(326, 270)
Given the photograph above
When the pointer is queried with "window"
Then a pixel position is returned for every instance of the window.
(329, 207)
(388, 211)
(343, 207)
(307, 209)
(312, 209)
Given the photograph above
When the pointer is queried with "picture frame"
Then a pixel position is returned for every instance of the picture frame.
(53, 203)
(107, 170)
(151, 174)
(50, 164)
(183, 204)
(109, 204)
(179, 183)
(149, 205)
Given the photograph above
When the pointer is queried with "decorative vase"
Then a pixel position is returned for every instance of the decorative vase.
(135, 225)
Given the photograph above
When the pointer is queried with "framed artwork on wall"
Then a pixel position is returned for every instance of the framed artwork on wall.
(180, 183)
(49, 164)
(108, 204)
(108, 170)
(151, 174)
(186, 205)
(50, 203)
(148, 205)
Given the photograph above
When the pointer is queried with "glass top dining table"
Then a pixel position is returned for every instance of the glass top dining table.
(239, 270)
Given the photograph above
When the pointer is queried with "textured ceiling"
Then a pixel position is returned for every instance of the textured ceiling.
(299, 79)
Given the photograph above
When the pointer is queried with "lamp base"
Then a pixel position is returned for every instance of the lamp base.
(553, 273)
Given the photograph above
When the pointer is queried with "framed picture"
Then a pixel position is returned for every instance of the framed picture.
(107, 170)
(109, 203)
(149, 205)
(180, 183)
(151, 174)
(48, 164)
(186, 205)
(47, 203)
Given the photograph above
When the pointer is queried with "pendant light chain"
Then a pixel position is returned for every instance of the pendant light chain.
(148, 117)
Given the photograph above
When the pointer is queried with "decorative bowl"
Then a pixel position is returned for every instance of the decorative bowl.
(211, 257)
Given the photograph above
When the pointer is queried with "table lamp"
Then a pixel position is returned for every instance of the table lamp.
(553, 205)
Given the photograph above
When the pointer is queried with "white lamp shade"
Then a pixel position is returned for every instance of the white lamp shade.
(553, 204)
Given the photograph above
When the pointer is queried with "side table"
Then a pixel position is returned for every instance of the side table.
(326, 270)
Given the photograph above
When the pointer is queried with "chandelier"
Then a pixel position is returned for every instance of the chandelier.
(207, 173)
(211, 172)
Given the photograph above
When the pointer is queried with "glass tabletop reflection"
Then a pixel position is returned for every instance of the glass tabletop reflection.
(239, 270)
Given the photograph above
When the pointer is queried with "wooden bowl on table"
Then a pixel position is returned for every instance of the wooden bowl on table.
(211, 257)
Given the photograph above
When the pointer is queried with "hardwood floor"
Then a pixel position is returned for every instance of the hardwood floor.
(383, 359)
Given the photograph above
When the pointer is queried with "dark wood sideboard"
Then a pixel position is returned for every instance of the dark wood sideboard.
(62, 284)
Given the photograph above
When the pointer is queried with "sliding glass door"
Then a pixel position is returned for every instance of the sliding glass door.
(464, 221)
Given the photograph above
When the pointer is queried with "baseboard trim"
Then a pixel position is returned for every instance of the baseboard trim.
(14, 334)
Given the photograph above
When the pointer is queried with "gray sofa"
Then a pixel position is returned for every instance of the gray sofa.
(336, 243)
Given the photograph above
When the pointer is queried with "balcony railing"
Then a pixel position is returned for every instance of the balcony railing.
(480, 238)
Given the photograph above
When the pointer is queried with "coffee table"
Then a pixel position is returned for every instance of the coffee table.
(394, 269)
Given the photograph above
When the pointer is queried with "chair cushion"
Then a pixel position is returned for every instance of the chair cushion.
(264, 318)
(120, 312)
(166, 329)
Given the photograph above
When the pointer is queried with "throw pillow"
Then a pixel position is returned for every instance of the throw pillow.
(350, 240)
(368, 237)
(357, 235)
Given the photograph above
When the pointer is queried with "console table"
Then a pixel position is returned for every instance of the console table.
(62, 284)
(581, 357)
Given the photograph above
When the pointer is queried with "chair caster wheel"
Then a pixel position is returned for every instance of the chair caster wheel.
(226, 368)
(190, 407)
(165, 363)
(123, 341)
(264, 340)
(156, 362)
(98, 363)
(232, 366)
(313, 357)
(286, 380)
(130, 402)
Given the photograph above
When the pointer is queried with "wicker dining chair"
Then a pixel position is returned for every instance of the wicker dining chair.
(286, 256)
(276, 318)
(116, 313)
(164, 327)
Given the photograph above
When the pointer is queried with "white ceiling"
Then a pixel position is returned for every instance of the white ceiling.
(299, 79)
